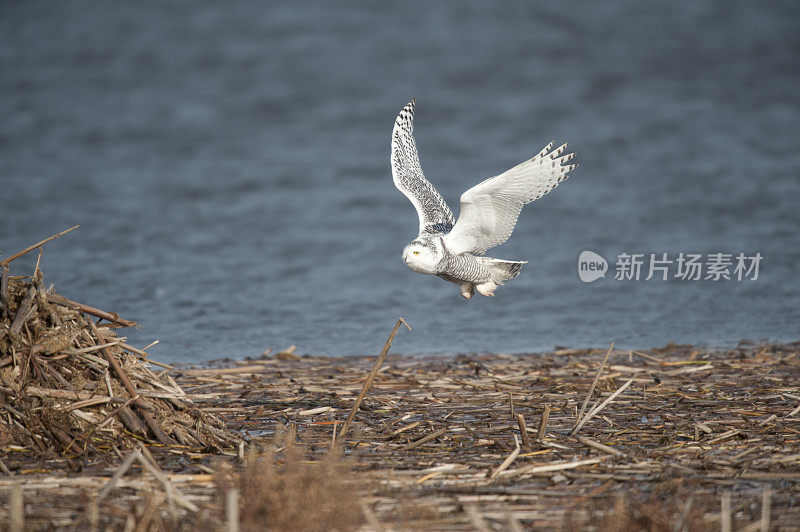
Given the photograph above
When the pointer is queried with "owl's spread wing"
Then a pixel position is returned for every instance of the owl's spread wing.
(434, 215)
(490, 209)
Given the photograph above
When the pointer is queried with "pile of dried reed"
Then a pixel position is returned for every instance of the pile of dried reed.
(69, 386)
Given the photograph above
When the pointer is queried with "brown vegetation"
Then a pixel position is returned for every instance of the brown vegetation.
(286, 491)
(70, 387)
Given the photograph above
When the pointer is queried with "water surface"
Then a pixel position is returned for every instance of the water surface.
(228, 164)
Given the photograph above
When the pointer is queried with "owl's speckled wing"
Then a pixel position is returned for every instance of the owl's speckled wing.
(490, 209)
(434, 215)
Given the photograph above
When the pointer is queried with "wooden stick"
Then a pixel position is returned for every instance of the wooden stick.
(28, 249)
(523, 431)
(543, 423)
(110, 316)
(371, 376)
(591, 390)
(424, 440)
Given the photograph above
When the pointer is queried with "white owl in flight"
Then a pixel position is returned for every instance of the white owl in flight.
(451, 249)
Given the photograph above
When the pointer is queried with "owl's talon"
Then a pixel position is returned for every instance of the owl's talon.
(486, 289)
(467, 290)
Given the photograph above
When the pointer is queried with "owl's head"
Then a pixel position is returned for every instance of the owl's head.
(422, 256)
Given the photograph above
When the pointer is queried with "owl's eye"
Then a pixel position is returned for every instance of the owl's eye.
(416, 252)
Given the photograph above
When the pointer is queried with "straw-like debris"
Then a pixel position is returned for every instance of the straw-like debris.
(701, 437)
(71, 387)
(679, 438)
(677, 428)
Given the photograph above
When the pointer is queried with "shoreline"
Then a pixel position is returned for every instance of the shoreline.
(702, 435)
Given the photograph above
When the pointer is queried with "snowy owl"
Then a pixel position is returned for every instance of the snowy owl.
(451, 249)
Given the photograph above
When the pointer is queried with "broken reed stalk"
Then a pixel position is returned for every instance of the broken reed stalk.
(121, 470)
(725, 512)
(28, 249)
(424, 439)
(172, 492)
(126, 381)
(60, 360)
(151, 466)
(458, 397)
(549, 468)
(508, 461)
(3, 287)
(232, 510)
(104, 421)
(523, 431)
(599, 446)
(16, 509)
(477, 519)
(591, 390)
(543, 423)
(765, 510)
(599, 407)
(108, 316)
(371, 518)
(371, 377)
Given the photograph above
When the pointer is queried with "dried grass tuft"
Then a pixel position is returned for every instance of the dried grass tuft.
(661, 512)
(282, 490)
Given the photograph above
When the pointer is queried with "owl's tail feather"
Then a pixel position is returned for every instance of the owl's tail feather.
(502, 270)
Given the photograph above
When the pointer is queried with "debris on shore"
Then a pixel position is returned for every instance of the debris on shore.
(696, 438)
(71, 387)
(677, 438)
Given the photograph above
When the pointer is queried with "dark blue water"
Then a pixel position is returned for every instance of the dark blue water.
(228, 164)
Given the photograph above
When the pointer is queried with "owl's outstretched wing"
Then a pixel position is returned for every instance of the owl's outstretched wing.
(434, 215)
(490, 209)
